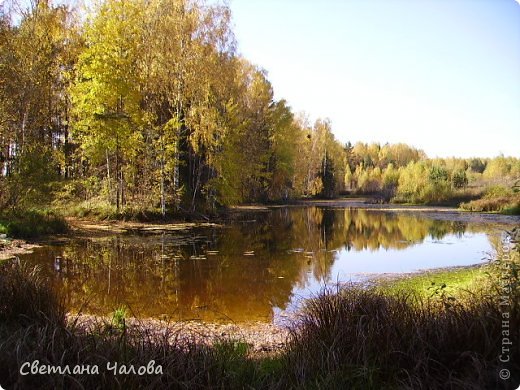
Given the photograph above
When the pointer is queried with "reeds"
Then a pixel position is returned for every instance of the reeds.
(504, 204)
(372, 338)
(26, 298)
(358, 338)
(345, 338)
(33, 327)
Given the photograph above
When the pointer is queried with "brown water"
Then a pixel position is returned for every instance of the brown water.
(254, 268)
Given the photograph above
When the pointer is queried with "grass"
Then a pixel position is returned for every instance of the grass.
(354, 338)
(33, 327)
(513, 209)
(25, 297)
(367, 339)
(98, 209)
(506, 205)
(119, 318)
(498, 198)
(432, 331)
(31, 223)
(430, 283)
(35, 222)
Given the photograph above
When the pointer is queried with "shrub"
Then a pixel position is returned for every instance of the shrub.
(459, 179)
(32, 223)
(497, 192)
(503, 204)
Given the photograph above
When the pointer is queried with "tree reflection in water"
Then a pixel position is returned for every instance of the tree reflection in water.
(240, 271)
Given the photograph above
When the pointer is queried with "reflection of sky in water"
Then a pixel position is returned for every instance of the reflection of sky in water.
(254, 267)
(431, 253)
(452, 250)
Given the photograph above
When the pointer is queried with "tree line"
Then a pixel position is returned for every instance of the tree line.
(148, 104)
(405, 174)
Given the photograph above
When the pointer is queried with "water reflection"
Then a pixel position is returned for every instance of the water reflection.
(244, 270)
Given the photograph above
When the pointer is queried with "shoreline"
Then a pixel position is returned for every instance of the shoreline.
(10, 248)
(374, 280)
(261, 338)
(435, 212)
(82, 225)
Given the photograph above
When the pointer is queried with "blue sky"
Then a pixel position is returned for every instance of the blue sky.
(441, 75)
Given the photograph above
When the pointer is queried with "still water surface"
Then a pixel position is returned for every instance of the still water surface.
(256, 267)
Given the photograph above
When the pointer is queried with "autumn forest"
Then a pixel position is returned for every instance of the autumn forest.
(163, 208)
(148, 106)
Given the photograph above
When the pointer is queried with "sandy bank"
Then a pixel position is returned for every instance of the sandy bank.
(261, 337)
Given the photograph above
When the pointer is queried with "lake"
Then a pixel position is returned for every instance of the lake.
(255, 267)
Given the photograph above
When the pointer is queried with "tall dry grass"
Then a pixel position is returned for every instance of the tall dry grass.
(363, 338)
(349, 338)
(33, 326)
(368, 338)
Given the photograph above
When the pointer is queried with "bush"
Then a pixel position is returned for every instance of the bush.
(420, 183)
(512, 209)
(497, 191)
(32, 223)
(459, 179)
(502, 204)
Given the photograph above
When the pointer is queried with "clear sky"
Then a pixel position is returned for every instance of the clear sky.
(442, 75)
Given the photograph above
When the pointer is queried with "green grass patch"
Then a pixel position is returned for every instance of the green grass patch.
(429, 283)
(512, 210)
(32, 223)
